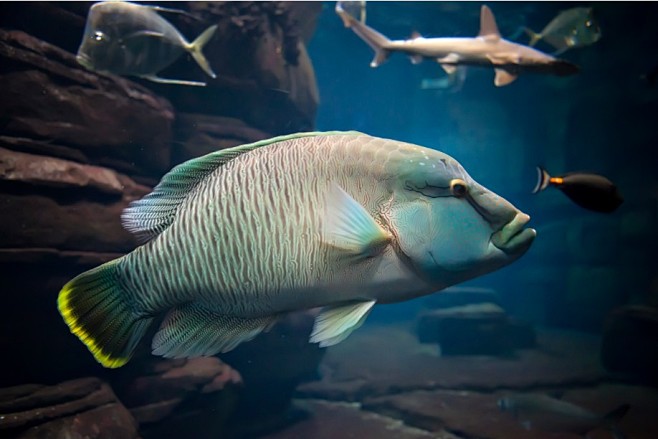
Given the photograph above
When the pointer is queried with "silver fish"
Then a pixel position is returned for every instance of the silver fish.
(575, 27)
(239, 237)
(129, 39)
(542, 412)
(488, 49)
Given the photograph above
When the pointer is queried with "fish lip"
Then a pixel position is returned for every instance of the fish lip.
(513, 237)
(84, 60)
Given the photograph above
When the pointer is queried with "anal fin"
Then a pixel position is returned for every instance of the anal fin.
(503, 77)
(193, 331)
(335, 323)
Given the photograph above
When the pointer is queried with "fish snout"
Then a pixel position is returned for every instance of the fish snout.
(513, 237)
(84, 60)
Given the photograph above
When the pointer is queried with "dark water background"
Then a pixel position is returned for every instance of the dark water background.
(602, 120)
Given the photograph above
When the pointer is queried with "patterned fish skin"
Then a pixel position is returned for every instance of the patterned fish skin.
(248, 240)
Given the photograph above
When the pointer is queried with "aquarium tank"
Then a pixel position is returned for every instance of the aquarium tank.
(328, 220)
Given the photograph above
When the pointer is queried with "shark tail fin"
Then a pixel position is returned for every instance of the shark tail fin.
(374, 39)
(543, 180)
(534, 36)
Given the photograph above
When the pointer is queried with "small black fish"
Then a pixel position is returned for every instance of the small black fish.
(591, 191)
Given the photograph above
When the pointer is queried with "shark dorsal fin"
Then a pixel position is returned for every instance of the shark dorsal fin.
(488, 26)
(415, 34)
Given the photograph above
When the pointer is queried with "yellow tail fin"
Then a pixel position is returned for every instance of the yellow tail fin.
(97, 310)
(196, 47)
(534, 37)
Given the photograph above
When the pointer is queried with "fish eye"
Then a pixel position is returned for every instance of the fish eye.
(99, 36)
(458, 187)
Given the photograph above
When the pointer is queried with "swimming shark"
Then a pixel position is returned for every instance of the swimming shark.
(488, 49)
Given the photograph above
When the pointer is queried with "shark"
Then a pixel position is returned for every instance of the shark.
(488, 49)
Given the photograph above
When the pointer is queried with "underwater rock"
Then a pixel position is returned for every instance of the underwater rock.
(630, 343)
(460, 296)
(82, 203)
(476, 329)
(47, 95)
(379, 360)
(272, 366)
(469, 414)
(85, 407)
(329, 420)
(200, 134)
(164, 389)
(264, 74)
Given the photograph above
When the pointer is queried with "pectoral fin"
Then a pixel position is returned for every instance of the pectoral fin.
(449, 63)
(349, 227)
(160, 80)
(503, 77)
(335, 323)
(192, 331)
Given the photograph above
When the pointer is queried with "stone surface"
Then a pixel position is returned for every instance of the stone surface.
(200, 134)
(330, 420)
(79, 206)
(53, 172)
(154, 388)
(630, 343)
(380, 360)
(475, 329)
(459, 296)
(472, 414)
(272, 366)
(85, 407)
(47, 95)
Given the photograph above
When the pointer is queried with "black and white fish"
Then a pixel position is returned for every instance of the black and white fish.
(125, 38)
(575, 27)
(591, 191)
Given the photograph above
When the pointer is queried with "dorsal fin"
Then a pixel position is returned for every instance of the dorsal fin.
(415, 34)
(148, 217)
(488, 26)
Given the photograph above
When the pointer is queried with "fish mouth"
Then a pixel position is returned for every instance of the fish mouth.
(84, 61)
(513, 237)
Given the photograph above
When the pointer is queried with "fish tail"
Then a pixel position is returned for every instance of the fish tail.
(543, 180)
(374, 39)
(196, 47)
(97, 309)
(534, 37)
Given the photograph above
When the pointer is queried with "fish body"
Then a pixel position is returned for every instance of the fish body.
(129, 39)
(542, 412)
(237, 238)
(488, 49)
(591, 191)
(575, 27)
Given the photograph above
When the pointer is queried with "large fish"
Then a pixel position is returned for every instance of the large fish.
(239, 237)
(129, 39)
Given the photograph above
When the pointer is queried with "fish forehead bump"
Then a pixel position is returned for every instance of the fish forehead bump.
(409, 157)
